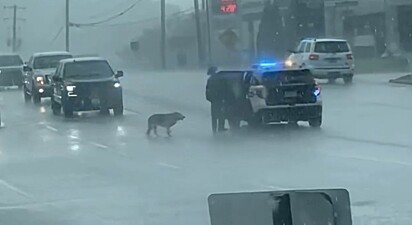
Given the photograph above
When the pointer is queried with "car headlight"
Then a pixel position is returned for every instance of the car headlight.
(289, 63)
(40, 79)
(116, 85)
(70, 88)
(0, 71)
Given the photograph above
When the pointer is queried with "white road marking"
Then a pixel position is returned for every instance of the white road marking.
(15, 189)
(99, 145)
(51, 128)
(40, 204)
(167, 165)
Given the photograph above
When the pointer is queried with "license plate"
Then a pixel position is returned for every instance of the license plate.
(291, 94)
(334, 74)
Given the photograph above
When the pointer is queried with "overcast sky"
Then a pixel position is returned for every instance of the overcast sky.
(45, 18)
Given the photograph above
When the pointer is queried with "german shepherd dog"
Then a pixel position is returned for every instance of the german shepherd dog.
(163, 120)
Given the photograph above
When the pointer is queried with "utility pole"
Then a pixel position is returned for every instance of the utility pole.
(67, 26)
(163, 33)
(15, 18)
(199, 34)
(209, 41)
(203, 5)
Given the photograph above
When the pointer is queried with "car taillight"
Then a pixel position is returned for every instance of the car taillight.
(349, 56)
(313, 57)
(316, 92)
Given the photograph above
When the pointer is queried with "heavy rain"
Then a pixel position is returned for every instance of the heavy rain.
(313, 94)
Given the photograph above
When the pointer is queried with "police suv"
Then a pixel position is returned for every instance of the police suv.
(278, 94)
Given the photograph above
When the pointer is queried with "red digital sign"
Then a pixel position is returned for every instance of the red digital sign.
(228, 6)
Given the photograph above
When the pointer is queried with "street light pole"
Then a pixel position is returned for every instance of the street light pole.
(163, 33)
(209, 41)
(198, 33)
(67, 26)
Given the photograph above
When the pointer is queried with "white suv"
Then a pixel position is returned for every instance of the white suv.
(325, 58)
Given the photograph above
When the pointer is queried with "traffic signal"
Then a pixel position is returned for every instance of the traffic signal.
(223, 7)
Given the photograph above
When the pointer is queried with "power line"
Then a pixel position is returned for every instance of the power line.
(57, 35)
(107, 19)
(15, 44)
(174, 15)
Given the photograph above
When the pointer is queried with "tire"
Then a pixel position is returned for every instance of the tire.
(315, 123)
(36, 98)
(56, 107)
(118, 110)
(348, 79)
(27, 97)
(104, 111)
(67, 110)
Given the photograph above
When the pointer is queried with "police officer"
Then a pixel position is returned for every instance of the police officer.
(215, 89)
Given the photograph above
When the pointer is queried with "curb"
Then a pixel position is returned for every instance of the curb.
(407, 79)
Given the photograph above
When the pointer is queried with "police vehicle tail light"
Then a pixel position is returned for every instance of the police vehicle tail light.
(349, 56)
(70, 88)
(316, 92)
(313, 57)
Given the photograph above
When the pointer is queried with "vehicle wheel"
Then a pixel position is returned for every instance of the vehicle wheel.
(27, 97)
(36, 98)
(104, 111)
(68, 110)
(56, 107)
(348, 79)
(315, 123)
(118, 110)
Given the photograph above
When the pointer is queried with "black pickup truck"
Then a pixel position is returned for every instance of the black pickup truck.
(11, 70)
(86, 84)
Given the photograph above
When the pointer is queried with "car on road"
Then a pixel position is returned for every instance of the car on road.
(284, 95)
(11, 70)
(274, 94)
(38, 72)
(325, 58)
(86, 84)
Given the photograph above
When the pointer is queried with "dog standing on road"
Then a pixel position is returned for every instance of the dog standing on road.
(163, 120)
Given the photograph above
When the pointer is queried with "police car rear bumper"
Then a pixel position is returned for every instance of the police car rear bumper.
(325, 73)
(299, 112)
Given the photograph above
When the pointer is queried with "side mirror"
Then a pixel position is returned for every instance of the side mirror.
(119, 74)
(27, 68)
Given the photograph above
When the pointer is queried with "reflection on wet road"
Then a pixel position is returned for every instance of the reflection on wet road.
(95, 169)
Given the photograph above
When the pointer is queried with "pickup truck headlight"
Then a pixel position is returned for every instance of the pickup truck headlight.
(70, 88)
(116, 85)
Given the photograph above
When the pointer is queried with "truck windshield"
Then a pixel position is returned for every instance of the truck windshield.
(88, 69)
(48, 62)
(11, 60)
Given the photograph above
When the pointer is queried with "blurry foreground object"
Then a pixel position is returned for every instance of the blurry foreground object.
(300, 207)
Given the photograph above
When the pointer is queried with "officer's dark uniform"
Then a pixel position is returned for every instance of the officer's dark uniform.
(214, 94)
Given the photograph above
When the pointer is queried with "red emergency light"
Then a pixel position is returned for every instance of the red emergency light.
(228, 6)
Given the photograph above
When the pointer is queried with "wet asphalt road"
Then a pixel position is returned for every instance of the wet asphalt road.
(104, 170)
